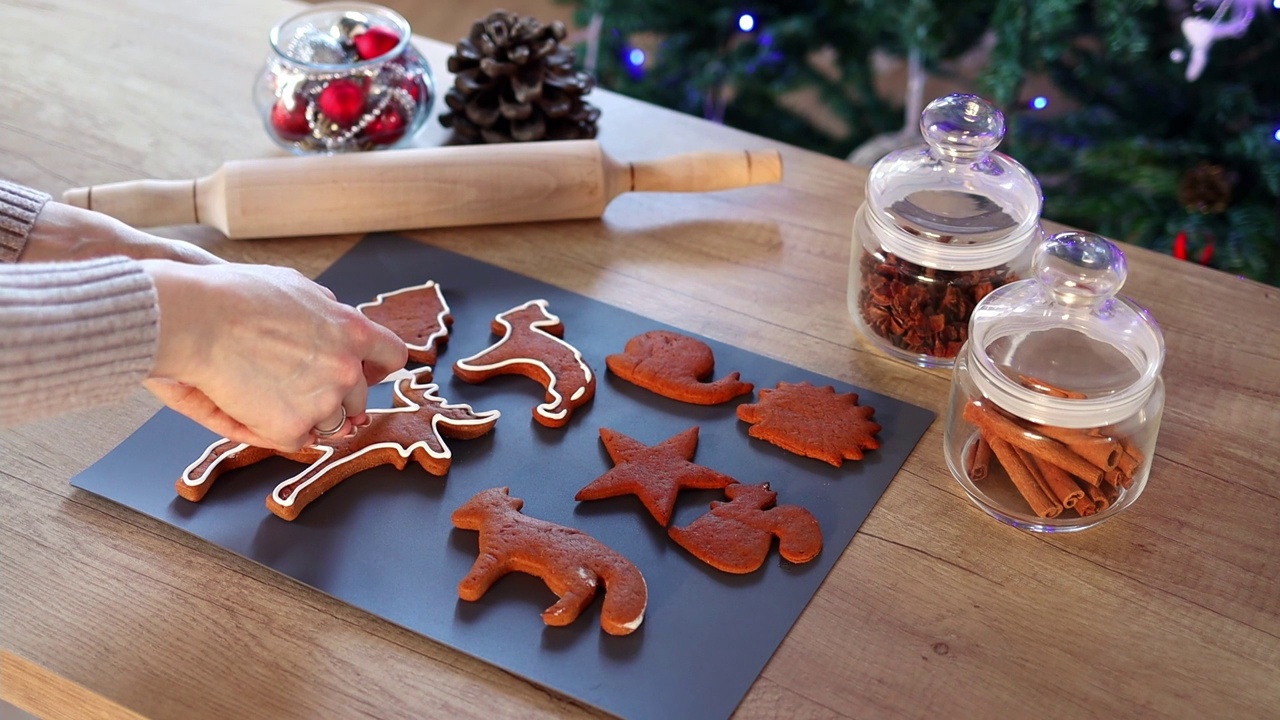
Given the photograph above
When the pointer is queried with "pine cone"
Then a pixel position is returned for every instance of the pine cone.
(1206, 188)
(515, 81)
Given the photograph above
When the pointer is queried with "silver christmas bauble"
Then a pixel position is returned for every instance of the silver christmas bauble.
(350, 25)
(317, 48)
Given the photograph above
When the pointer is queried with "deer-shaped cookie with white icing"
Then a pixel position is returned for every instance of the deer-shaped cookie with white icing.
(532, 345)
(412, 430)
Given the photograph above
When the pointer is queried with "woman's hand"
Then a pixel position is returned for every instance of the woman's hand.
(63, 232)
(263, 355)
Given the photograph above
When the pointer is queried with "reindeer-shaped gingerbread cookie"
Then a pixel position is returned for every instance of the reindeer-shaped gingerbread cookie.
(414, 429)
(569, 561)
(735, 536)
(532, 345)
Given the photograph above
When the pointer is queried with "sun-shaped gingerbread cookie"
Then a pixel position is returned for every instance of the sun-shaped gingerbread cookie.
(812, 421)
(654, 474)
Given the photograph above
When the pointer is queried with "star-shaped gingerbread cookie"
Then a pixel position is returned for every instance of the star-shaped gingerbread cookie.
(812, 421)
(653, 474)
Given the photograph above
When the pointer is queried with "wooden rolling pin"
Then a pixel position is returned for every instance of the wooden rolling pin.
(417, 188)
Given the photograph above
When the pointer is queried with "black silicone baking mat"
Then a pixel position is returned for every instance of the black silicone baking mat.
(382, 540)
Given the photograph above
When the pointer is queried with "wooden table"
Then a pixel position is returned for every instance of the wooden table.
(934, 609)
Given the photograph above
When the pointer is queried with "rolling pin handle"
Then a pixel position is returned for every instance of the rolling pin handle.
(140, 203)
(77, 197)
(707, 171)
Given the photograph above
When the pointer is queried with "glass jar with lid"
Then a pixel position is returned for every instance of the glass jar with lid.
(943, 224)
(1056, 397)
(343, 77)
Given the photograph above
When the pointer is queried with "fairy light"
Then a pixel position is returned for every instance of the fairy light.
(1040, 102)
(636, 57)
(1276, 135)
(747, 22)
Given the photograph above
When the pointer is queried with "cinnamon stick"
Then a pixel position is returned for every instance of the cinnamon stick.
(1086, 507)
(1030, 461)
(1111, 492)
(1022, 479)
(1060, 483)
(1102, 451)
(1130, 459)
(1098, 497)
(994, 425)
(1117, 478)
(1041, 386)
(1127, 463)
(981, 465)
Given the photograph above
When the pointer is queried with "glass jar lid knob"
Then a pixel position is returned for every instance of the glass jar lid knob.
(962, 127)
(1080, 269)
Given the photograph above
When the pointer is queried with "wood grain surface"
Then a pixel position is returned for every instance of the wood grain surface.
(1170, 610)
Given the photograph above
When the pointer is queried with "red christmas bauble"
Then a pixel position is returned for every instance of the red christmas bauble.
(375, 42)
(1180, 245)
(411, 86)
(290, 124)
(387, 127)
(342, 102)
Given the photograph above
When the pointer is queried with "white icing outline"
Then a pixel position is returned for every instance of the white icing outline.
(535, 326)
(428, 392)
(440, 317)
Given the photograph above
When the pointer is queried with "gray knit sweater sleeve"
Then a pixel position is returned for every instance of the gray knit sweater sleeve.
(72, 334)
(19, 208)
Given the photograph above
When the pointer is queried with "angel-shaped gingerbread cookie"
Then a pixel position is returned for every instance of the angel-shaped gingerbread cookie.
(735, 536)
(412, 430)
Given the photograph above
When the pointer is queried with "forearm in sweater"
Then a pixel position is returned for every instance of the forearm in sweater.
(19, 208)
(73, 335)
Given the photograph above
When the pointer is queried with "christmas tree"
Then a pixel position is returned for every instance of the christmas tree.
(1171, 139)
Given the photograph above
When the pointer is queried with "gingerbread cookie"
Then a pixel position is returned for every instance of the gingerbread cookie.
(675, 366)
(418, 315)
(414, 429)
(654, 474)
(812, 421)
(532, 346)
(735, 536)
(569, 561)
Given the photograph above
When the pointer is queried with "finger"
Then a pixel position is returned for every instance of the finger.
(335, 425)
(194, 404)
(385, 354)
(145, 245)
(196, 255)
(356, 403)
(328, 293)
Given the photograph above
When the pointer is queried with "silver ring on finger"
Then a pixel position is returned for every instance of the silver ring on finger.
(330, 432)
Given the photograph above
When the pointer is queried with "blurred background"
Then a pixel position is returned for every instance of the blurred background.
(1156, 122)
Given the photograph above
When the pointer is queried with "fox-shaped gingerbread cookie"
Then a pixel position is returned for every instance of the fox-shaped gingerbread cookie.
(569, 561)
